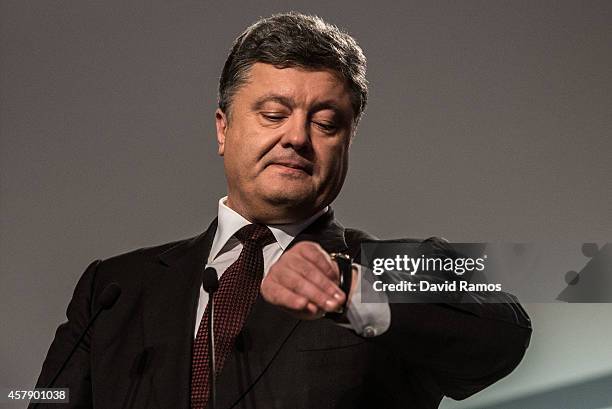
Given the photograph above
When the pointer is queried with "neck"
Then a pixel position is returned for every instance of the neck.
(270, 215)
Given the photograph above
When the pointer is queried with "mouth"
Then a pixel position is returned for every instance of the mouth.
(293, 166)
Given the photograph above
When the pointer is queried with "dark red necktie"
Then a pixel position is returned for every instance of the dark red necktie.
(237, 292)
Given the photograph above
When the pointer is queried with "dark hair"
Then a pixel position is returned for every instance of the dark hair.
(295, 40)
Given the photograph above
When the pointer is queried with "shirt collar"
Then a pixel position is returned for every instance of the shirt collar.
(229, 222)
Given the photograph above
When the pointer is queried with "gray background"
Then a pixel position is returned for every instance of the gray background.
(488, 121)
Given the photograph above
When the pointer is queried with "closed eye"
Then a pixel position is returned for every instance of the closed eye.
(327, 127)
(273, 117)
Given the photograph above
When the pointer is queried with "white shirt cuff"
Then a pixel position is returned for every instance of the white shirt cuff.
(372, 318)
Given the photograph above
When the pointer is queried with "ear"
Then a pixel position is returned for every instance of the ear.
(221, 124)
(352, 135)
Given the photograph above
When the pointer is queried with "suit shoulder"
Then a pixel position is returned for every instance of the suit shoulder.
(144, 252)
(140, 259)
(433, 246)
(353, 235)
(354, 238)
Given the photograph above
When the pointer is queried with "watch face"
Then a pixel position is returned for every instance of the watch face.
(346, 271)
(336, 256)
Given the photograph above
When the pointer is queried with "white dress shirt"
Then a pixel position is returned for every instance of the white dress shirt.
(366, 319)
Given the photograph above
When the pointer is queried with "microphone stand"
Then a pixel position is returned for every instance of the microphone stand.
(211, 348)
(210, 282)
(107, 299)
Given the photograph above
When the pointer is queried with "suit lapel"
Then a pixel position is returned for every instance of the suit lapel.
(170, 305)
(268, 328)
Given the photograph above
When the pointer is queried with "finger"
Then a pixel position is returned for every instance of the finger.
(312, 273)
(298, 284)
(313, 309)
(314, 253)
(277, 294)
(282, 297)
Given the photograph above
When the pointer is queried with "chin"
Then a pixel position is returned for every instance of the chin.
(286, 191)
(286, 207)
(288, 198)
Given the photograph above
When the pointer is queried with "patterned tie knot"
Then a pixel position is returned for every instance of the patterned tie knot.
(257, 234)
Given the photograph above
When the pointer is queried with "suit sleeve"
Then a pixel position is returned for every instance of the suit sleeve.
(465, 346)
(464, 350)
(76, 374)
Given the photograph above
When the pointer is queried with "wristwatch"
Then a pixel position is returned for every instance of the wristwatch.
(345, 265)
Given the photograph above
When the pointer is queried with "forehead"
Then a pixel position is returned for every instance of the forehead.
(303, 86)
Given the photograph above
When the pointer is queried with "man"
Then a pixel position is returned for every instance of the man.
(291, 95)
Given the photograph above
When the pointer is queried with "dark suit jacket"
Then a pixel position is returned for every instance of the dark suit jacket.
(138, 354)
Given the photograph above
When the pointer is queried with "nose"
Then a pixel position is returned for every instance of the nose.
(297, 134)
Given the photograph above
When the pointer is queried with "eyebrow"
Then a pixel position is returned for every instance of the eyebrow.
(289, 103)
(259, 103)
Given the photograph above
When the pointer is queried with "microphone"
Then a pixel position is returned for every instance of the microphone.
(210, 282)
(106, 300)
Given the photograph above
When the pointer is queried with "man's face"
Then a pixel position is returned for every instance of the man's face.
(285, 146)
